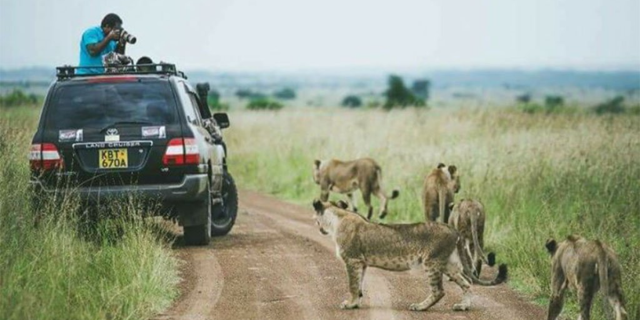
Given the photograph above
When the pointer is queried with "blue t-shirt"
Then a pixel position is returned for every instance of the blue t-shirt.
(91, 36)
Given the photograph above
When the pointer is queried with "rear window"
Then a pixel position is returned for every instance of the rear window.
(95, 105)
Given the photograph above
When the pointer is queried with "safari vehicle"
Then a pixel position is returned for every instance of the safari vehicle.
(143, 132)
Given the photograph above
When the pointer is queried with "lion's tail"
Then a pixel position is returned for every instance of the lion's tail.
(602, 268)
(394, 193)
(476, 243)
(502, 276)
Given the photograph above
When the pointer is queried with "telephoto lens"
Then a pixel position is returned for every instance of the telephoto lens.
(127, 37)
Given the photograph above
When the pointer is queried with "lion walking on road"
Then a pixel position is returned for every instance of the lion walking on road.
(348, 176)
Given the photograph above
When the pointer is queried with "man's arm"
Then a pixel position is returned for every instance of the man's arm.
(95, 48)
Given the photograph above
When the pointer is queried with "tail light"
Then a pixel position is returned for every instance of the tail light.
(45, 157)
(181, 151)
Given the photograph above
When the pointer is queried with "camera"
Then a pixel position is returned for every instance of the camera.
(126, 36)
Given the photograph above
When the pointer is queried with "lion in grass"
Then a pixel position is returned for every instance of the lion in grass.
(586, 266)
(438, 192)
(433, 247)
(348, 176)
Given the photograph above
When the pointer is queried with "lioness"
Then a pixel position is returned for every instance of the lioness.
(434, 247)
(468, 217)
(348, 176)
(438, 192)
(586, 266)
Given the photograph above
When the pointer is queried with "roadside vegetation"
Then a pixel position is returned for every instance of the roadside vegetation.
(539, 175)
(54, 264)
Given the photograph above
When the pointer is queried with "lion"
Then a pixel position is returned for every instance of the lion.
(434, 247)
(347, 176)
(586, 266)
(468, 218)
(438, 192)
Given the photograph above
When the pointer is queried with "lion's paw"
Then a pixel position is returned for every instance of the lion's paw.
(417, 307)
(349, 305)
(460, 307)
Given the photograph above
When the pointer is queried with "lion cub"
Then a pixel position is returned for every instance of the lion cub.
(468, 218)
(586, 266)
(434, 247)
(438, 191)
(348, 176)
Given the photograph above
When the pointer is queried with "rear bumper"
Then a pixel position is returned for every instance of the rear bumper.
(192, 188)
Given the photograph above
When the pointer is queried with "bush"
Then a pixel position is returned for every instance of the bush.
(531, 108)
(523, 98)
(248, 94)
(285, 94)
(18, 98)
(213, 100)
(264, 104)
(421, 88)
(352, 101)
(613, 106)
(552, 103)
(399, 96)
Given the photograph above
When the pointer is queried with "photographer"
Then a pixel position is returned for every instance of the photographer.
(99, 41)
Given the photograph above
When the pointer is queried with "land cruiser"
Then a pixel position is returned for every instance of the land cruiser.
(143, 132)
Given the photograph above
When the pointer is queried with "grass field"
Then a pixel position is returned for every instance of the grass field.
(62, 269)
(539, 176)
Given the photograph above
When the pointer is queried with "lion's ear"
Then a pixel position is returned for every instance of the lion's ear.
(317, 163)
(318, 206)
(441, 165)
(453, 170)
(342, 205)
(551, 245)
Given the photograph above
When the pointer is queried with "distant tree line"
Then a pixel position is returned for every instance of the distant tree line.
(556, 104)
(17, 98)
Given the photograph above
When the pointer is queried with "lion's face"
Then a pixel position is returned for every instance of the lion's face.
(322, 217)
(455, 178)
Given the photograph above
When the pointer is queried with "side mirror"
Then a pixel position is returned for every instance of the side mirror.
(222, 119)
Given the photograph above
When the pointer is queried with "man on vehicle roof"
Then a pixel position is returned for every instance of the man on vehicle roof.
(98, 41)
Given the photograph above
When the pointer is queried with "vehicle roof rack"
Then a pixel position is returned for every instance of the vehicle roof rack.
(69, 72)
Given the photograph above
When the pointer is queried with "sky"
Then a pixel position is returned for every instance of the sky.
(293, 35)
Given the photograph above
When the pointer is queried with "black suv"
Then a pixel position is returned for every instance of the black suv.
(149, 133)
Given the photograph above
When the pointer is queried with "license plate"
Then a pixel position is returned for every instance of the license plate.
(113, 158)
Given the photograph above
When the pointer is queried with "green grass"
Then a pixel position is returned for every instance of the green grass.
(60, 268)
(538, 175)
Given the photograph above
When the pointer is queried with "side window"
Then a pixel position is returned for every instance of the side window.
(190, 105)
(194, 103)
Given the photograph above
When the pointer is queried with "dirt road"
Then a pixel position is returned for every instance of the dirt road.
(275, 264)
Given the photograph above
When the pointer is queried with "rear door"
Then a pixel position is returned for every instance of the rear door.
(114, 130)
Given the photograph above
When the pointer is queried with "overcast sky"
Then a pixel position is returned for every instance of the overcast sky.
(244, 35)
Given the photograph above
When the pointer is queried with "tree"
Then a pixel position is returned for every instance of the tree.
(553, 102)
(248, 94)
(213, 100)
(351, 101)
(399, 96)
(421, 88)
(264, 104)
(285, 94)
(612, 106)
(524, 98)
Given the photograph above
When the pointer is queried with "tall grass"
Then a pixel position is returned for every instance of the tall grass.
(54, 266)
(539, 176)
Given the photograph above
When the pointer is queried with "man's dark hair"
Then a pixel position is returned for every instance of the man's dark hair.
(111, 20)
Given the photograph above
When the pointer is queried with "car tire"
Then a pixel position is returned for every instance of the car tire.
(224, 215)
(200, 235)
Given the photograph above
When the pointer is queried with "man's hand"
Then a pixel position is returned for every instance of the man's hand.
(114, 34)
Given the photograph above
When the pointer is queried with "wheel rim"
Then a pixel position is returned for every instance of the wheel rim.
(223, 218)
